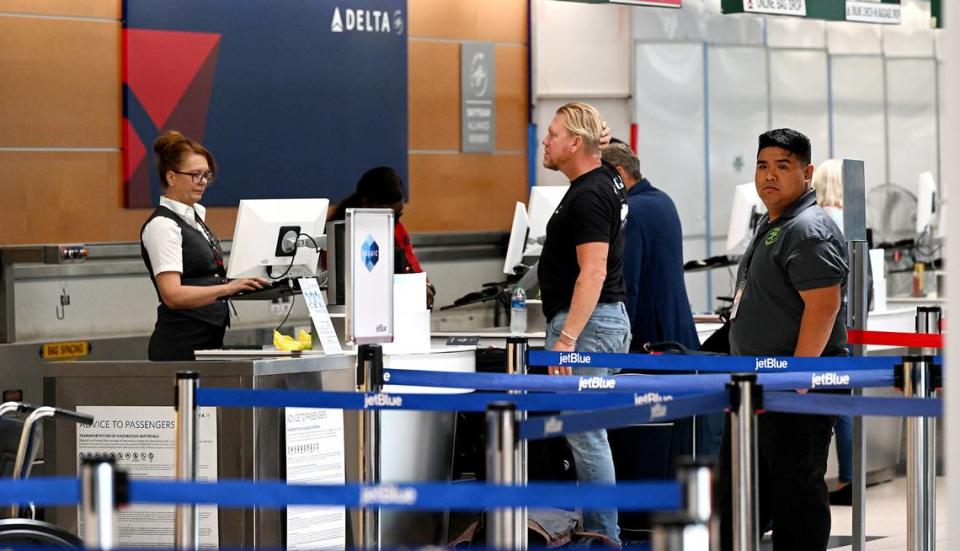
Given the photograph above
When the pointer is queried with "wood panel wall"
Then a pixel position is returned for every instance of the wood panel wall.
(60, 112)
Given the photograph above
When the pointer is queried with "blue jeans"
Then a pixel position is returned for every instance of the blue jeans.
(844, 432)
(608, 330)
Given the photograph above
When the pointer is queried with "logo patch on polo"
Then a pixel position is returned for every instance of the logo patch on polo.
(772, 236)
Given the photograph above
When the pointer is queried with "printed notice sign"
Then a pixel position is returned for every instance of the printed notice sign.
(320, 316)
(142, 440)
(873, 12)
(315, 455)
(776, 7)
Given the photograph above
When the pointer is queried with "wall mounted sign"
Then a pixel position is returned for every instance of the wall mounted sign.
(873, 12)
(776, 7)
(869, 11)
(294, 99)
(478, 110)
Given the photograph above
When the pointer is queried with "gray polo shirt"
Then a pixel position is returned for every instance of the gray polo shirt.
(803, 249)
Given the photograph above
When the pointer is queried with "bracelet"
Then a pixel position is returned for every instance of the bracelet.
(573, 340)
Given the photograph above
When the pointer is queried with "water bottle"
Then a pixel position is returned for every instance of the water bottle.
(518, 312)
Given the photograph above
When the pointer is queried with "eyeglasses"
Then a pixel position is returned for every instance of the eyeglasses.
(197, 176)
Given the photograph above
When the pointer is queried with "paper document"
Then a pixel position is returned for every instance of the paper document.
(320, 316)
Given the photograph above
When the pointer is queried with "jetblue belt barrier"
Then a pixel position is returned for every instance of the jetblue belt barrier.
(633, 496)
(671, 384)
(709, 364)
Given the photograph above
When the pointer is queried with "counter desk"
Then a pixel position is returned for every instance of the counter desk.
(251, 443)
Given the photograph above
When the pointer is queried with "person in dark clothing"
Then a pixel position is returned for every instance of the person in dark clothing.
(788, 302)
(657, 300)
(183, 256)
(382, 188)
(652, 259)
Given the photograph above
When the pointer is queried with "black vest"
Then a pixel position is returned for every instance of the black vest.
(200, 267)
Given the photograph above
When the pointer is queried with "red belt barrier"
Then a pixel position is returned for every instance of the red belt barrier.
(890, 338)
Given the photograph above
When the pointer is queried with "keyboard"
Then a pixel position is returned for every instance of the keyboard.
(278, 288)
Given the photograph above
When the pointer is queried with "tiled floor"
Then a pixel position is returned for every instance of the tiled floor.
(887, 518)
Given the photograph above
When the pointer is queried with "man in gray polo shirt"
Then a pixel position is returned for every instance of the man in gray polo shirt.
(789, 302)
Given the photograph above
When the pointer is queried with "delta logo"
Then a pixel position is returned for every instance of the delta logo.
(829, 379)
(366, 21)
(596, 383)
(770, 363)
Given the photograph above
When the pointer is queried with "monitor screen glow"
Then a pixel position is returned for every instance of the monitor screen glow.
(518, 238)
(926, 201)
(543, 201)
(746, 210)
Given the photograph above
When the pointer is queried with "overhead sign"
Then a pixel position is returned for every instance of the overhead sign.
(776, 7)
(655, 3)
(478, 115)
(873, 12)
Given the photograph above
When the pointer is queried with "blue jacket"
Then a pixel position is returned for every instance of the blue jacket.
(657, 300)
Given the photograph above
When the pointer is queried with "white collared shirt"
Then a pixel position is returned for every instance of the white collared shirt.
(162, 237)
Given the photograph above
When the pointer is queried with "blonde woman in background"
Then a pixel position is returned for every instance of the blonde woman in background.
(828, 182)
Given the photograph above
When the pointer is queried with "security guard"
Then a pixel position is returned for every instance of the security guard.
(788, 302)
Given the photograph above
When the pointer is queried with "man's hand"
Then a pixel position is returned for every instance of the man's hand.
(604, 135)
(561, 346)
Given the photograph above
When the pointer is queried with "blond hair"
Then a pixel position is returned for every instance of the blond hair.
(828, 181)
(581, 119)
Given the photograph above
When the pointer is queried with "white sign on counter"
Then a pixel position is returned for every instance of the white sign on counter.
(315, 455)
(142, 440)
(369, 275)
(320, 316)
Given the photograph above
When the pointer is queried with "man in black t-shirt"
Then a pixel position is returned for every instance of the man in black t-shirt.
(581, 275)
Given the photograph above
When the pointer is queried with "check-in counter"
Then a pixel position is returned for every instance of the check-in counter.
(250, 442)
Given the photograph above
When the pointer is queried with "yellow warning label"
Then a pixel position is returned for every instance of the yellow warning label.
(65, 350)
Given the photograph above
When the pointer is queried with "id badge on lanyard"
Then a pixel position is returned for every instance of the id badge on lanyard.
(736, 299)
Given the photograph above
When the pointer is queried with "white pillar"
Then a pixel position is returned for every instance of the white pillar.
(950, 137)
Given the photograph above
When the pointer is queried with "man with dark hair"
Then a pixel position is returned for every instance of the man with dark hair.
(789, 302)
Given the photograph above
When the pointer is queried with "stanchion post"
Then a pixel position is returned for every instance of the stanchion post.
(679, 532)
(370, 358)
(102, 489)
(744, 399)
(517, 348)
(921, 458)
(696, 480)
(186, 529)
(501, 470)
(857, 319)
(928, 322)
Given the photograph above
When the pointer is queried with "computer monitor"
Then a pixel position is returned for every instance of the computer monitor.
(269, 241)
(746, 211)
(926, 201)
(543, 201)
(518, 238)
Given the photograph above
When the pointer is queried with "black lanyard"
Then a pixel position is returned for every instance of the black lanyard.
(213, 243)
